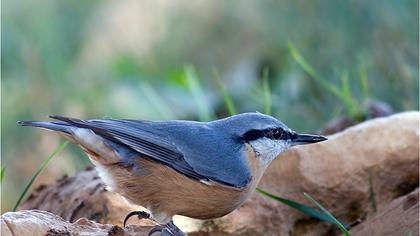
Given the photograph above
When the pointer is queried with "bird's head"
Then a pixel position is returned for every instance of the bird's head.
(268, 136)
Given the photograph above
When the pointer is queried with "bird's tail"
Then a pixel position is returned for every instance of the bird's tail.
(78, 131)
(55, 126)
(63, 124)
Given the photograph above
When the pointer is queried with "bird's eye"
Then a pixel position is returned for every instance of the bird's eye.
(276, 134)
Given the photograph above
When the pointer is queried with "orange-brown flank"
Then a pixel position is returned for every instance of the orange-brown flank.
(162, 190)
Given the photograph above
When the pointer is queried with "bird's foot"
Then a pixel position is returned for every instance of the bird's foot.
(139, 214)
(169, 229)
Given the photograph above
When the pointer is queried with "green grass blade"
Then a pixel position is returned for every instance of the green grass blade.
(312, 72)
(345, 86)
(410, 233)
(204, 111)
(2, 173)
(298, 206)
(332, 218)
(347, 97)
(226, 97)
(40, 169)
(266, 93)
(364, 82)
(372, 195)
(343, 95)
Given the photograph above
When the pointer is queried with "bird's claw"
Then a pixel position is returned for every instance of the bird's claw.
(170, 229)
(139, 214)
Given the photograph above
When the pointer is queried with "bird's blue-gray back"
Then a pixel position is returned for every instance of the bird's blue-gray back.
(192, 148)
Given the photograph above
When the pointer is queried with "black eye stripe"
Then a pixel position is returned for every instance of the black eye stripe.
(253, 135)
(268, 133)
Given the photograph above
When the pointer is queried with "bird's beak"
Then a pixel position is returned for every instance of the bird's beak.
(300, 139)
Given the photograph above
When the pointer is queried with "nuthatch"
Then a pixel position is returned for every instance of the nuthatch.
(201, 170)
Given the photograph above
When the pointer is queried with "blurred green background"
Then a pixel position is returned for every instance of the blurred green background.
(167, 59)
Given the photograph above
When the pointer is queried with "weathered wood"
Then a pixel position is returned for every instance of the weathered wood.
(36, 222)
(398, 218)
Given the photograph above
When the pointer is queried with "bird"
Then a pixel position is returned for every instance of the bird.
(202, 170)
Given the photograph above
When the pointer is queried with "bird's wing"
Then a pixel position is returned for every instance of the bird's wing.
(142, 137)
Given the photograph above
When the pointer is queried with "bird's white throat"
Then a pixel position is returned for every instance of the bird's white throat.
(268, 149)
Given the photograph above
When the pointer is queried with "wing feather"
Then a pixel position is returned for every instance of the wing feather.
(140, 140)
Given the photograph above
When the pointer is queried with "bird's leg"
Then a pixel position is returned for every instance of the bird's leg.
(170, 229)
(139, 214)
(174, 230)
